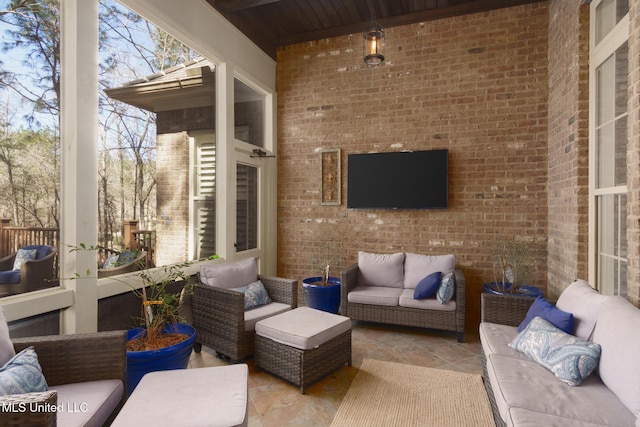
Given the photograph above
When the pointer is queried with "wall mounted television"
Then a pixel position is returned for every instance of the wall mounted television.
(398, 180)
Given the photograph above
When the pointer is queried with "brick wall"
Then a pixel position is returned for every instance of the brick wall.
(173, 195)
(476, 84)
(633, 157)
(568, 144)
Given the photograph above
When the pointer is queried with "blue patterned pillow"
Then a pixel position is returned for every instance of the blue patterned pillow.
(24, 255)
(255, 295)
(446, 289)
(22, 374)
(571, 359)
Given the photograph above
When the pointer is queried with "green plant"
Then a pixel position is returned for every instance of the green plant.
(160, 306)
(512, 265)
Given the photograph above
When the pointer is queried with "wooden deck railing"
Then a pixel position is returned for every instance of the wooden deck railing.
(13, 238)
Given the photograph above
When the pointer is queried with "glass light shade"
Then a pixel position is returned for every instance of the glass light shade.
(374, 45)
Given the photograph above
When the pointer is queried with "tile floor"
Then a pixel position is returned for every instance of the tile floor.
(276, 403)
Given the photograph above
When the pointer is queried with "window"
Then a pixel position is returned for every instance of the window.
(608, 145)
(248, 114)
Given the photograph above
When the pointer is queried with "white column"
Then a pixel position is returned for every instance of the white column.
(225, 170)
(79, 153)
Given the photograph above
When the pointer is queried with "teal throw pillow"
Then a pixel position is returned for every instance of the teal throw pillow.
(571, 359)
(541, 308)
(22, 374)
(24, 255)
(255, 295)
(447, 289)
(428, 286)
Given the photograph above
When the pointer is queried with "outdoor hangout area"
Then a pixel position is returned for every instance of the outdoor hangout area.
(274, 213)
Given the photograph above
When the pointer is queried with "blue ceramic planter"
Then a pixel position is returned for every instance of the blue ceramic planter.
(325, 298)
(523, 290)
(173, 357)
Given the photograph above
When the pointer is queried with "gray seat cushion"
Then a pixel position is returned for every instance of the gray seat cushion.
(377, 295)
(304, 328)
(407, 300)
(495, 339)
(89, 403)
(525, 385)
(215, 396)
(253, 316)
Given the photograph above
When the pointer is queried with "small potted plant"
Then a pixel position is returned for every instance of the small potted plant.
(161, 341)
(512, 265)
(322, 292)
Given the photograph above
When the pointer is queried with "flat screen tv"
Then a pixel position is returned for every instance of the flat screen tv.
(398, 180)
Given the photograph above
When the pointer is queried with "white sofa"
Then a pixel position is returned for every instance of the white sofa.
(380, 288)
(525, 393)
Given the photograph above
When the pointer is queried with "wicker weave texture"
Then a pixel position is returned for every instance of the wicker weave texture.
(406, 316)
(67, 359)
(504, 309)
(492, 400)
(303, 367)
(218, 316)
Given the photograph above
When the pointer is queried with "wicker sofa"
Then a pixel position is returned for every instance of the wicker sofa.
(525, 393)
(85, 374)
(380, 288)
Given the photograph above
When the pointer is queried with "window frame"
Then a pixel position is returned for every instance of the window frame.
(598, 54)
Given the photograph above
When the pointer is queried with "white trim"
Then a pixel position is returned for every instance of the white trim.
(598, 54)
(197, 24)
(33, 303)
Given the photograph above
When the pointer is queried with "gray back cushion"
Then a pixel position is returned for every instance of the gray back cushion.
(6, 346)
(229, 275)
(380, 269)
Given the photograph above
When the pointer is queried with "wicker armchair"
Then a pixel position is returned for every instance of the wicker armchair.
(35, 274)
(218, 316)
(67, 359)
(136, 264)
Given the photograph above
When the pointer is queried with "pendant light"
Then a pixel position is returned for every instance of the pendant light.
(374, 45)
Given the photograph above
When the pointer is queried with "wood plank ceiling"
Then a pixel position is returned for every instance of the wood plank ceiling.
(274, 23)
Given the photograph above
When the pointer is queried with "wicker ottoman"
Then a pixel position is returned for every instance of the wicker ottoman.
(303, 345)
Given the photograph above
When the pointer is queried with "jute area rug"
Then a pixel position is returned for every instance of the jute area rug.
(392, 394)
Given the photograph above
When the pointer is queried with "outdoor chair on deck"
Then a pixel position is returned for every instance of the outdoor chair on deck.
(221, 313)
(121, 263)
(29, 269)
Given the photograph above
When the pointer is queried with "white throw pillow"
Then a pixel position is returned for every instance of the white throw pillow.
(229, 275)
(380, 269)
(24, 255)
